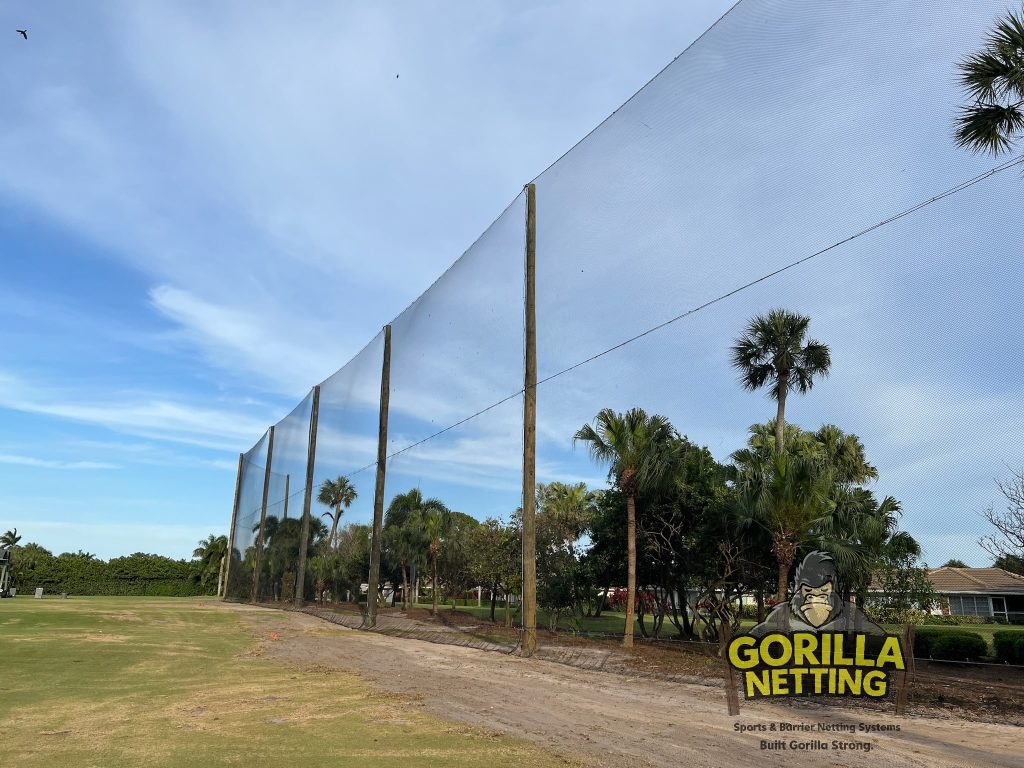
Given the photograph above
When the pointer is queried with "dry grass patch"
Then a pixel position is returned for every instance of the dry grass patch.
(175, 682)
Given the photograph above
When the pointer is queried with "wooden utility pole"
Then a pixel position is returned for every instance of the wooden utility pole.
(287, 490)
(307, 499)
(373, 584)
(263, 517)
(732, 695)
(529, 640)
(234, 520)
(906, 676)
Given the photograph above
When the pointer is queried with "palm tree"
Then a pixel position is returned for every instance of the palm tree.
(339, 495)
(774, 350)
(842, 454)
(210, 553)
(789, 494)
(994, 80)
(859, 533)
(423, 524)
(9, 539)
(436, 519)
(569, 509)
(640, 451)
(403, 535)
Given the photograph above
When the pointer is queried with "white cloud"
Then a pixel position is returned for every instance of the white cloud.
(248, 340)
(31, 461)
(154, 417)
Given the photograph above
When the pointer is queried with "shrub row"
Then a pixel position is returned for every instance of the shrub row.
(138, 574)
(949, 645)
(1009, 646)
(121, 587)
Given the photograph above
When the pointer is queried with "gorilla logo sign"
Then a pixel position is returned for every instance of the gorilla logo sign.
(816, 643)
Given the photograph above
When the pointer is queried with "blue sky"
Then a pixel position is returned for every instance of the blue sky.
(205, 211)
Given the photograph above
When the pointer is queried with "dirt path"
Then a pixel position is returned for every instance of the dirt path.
(611, 719)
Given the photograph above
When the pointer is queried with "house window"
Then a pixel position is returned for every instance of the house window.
(969, 605)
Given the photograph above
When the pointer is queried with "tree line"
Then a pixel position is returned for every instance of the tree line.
(82, 573)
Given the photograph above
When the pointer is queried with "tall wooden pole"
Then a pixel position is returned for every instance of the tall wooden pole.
(378, 492)
(732, 694)
(307, 499)
(263, 517)
(906, 676)
(234, 520)
(287, 490)
(529, 641)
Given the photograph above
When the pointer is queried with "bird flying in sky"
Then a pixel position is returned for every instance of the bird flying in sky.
(22, 32)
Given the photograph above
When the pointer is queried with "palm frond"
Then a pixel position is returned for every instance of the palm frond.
(989, 127)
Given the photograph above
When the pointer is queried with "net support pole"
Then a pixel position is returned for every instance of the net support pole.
(529, 640)
(373, 583)
(307, 498)
(906, 675)
(732, 694)
(234, 521)
(287, 490)
(263, 518)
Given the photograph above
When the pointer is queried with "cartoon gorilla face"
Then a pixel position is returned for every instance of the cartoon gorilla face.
(816, 598)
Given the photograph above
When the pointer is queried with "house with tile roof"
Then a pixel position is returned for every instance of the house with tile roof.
(988, 592)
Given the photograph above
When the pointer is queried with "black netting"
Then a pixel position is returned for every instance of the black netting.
(800, 155)
(250, 499)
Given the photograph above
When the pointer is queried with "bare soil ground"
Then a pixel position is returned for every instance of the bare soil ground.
(621, 716)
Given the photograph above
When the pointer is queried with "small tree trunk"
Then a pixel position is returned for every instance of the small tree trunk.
(687, 623)
(494, 602)
(627, 638)
(784, 549)
(433, 610)
(508, 609)
(760, 605)
(405, 588)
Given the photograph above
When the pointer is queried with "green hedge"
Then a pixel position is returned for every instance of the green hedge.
(1009, 646)
(138, 574)
(122, 587)
(949, 644)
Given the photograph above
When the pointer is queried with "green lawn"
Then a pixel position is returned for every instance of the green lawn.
(110, 682)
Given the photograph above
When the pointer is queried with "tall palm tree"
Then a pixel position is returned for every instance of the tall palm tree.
(9, 539)
(640, 451)
(436, 520)
(423, 524)
(404, 538)
(994, 80)
(339, 495)
(406, 544)
(789, 494)
(775, 350)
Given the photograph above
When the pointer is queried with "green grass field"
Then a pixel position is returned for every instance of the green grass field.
(111, 682)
